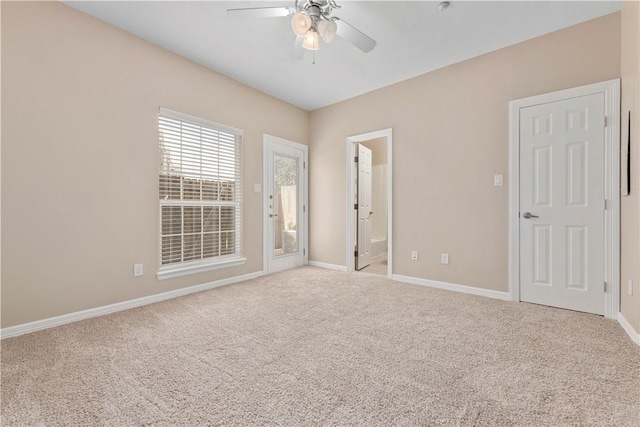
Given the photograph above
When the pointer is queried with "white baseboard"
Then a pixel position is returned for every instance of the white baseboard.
(328, 266)
(25, 328)
(453, 287)
(635, 336)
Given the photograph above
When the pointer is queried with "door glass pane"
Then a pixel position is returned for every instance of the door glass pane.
(285, 206)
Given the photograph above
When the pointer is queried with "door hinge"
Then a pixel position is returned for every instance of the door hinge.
(355, 206)
(355, 253)
(356, 159)
(604, 288)
(304, 251)
(604, 205)
(304, 165)
(606, 121)
(304, 208)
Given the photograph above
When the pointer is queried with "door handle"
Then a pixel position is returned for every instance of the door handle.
(528, 215)
(272, 215)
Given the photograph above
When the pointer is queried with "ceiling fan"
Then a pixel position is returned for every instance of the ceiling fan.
(311, 20)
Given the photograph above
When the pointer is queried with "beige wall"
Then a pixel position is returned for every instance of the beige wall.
(79, 165)
(630, 205)
(378, 149)
(450, 136)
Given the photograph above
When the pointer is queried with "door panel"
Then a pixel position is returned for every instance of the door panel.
(542, 255)
(577, 181)
(542, 176)
(364, 207)
(562, 187)
(577, 257)
(284, 206)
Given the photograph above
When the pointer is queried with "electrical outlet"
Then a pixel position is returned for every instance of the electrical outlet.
(630, 287)
(444, 258)
(137, 270)
(414, 255)
(498, 180)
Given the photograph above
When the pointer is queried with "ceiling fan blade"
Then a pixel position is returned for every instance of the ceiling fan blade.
(298, 51)
(355, 36)
(260, 12)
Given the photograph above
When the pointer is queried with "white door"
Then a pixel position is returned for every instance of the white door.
(285, 167)
(363, 250)
(562, 247)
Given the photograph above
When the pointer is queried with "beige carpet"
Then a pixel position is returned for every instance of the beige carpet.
(320, 347)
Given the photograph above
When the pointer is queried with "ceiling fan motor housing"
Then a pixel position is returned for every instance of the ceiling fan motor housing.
(316, 9)
(314, 13)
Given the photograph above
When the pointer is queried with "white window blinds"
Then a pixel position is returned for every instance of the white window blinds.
(200, 190)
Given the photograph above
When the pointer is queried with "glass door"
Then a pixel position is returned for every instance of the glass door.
(284, 204)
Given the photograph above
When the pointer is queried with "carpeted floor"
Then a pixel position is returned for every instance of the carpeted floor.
(319, 347)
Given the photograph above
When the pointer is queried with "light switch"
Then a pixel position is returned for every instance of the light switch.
(498, 180)
(137, 270)
(257, 188)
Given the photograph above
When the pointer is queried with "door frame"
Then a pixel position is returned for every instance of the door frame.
(611, 91)
(351, 226)
(265, 199)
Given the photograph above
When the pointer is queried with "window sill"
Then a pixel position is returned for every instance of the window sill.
(170, 272)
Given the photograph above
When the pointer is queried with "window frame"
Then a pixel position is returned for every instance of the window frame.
(177, 269)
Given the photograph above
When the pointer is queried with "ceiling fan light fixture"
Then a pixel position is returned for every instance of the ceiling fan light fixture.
(311, 40)
(327, 30)
(310, 21)
(301, 22)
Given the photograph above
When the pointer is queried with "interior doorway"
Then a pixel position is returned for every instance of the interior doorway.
(369, 216)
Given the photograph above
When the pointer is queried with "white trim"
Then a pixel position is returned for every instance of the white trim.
(26, 328)
(612, 195)
(635, 336)
(170, 271)
(327, 266)
(611, 90)
(453, 287)
(199, 120)
(351, 141)
(514, 202)
(305, 189)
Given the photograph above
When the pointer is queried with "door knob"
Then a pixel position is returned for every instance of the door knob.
(528, 215)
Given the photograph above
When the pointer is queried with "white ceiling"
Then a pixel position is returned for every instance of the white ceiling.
(413, 38)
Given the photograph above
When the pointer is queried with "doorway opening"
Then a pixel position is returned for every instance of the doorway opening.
(369, 204)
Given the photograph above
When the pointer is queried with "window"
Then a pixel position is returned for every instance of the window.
(200, 194)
